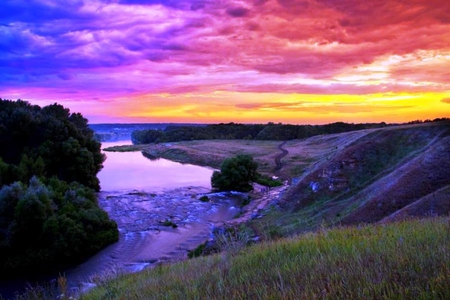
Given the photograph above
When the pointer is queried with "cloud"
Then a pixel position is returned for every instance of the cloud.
(320, 108)
(325, 47)
(237, 12)
(271, 105)
(446, 100)
(177, 4)
(25, 10)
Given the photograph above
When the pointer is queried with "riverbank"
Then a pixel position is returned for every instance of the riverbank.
(301, 155)
(211, 153)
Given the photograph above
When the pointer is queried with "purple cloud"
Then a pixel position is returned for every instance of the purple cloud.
(116, 47)
(237, 12)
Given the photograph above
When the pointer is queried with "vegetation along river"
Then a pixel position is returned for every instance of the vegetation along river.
(143, 196)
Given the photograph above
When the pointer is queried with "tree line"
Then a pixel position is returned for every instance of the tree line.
(269, 131)
(49, 214)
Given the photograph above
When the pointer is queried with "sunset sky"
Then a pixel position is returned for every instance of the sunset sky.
(249, 61)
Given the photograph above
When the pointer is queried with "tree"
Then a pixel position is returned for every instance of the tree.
(236, 173)
(48, 141)
(49, 214)
(147, 136)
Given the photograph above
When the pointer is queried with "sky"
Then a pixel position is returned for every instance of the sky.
(245, 61)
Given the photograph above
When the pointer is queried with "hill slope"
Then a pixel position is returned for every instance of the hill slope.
(373, 175)
(408, 260)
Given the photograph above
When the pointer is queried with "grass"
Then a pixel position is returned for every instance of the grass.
(407, 260)
(302, 153)
(213, 152)
(124, 148)
(268, 181)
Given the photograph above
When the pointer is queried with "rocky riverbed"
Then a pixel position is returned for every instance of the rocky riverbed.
(156, 227)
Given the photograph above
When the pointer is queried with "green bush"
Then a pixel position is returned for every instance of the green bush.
(236, 173)
(204, 198)
(267, 181)
(169, 223)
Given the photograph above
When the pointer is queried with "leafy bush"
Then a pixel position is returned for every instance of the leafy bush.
(204, 198)
(169, 223)
(236, 174)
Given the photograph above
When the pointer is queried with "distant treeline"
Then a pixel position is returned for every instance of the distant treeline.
(233, 131)
(118, 132)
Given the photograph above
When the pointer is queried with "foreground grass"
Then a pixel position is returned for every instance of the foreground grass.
(407, 260)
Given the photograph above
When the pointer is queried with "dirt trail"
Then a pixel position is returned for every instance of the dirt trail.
(278, 158)
(264, 196)
(279, 164)
(261, 201)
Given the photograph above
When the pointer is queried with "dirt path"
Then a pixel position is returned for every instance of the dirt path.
(278, 158)
(279, 164)
(264, 196)
(262, 199)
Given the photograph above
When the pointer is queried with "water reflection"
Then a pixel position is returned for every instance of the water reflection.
(132, 171)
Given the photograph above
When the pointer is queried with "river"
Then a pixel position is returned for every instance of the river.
(140, 194)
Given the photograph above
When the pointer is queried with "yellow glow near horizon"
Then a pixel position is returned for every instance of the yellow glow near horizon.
(285, 108)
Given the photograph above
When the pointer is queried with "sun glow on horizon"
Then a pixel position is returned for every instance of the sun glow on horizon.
(285, 108)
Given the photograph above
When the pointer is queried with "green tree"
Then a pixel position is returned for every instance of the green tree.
(236, 173)
(49, 214)
(48, 141)
(147, 136)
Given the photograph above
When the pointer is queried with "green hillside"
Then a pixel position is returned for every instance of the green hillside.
(407, 260)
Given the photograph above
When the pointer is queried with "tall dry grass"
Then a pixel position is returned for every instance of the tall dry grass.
(407, 260)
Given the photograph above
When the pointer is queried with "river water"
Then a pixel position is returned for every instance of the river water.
(125, 171)
(140, 194)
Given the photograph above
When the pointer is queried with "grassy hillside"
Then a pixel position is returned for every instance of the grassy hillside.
(407, 260)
